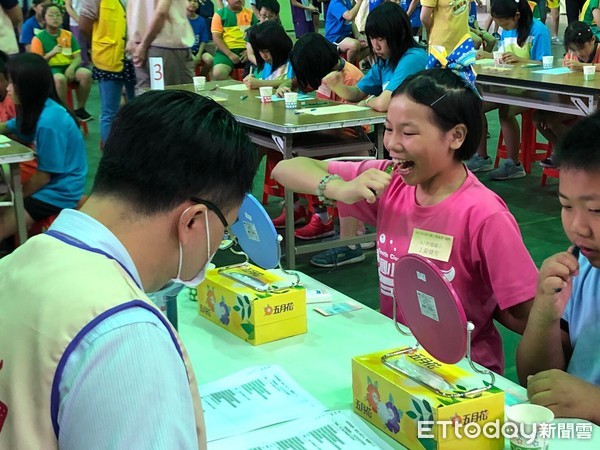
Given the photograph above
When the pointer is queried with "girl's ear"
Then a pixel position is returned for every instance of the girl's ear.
(457, 136)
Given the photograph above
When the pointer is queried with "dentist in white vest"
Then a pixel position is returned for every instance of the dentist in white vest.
(86, 360)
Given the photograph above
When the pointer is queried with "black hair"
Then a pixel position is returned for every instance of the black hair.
(47, 7)
(273, 5)
(451, 102)
(508, 9)
(33, 83)
(390, 22)
(312, 58)
(165, 147)
(580, 148)
(270, 36)
(577, 33)
(3, 64)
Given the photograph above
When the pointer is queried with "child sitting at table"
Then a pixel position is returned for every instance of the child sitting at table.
(60, 151)
(557, 356)
(582, 50)
(199, 56)
(524, 40)
(228, 27)
(313, 58)
(480, 37)
(433, 123)
(397, 56)
(60, 48)
(271, 47)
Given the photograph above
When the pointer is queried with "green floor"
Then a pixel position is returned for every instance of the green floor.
(535, 208)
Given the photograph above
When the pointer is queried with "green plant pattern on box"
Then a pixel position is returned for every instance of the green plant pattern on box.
(244, 309)
(422, 412)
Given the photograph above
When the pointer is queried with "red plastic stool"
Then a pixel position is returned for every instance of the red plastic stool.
(70, 88)
(271, 187)
(528, 151)
(238, 74)
(551, 172)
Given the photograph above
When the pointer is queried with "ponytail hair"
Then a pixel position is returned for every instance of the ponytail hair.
(508, 9)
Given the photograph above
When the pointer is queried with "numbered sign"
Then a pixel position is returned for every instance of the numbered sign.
(157, 73)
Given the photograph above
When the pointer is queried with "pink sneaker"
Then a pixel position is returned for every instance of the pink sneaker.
(300, 216)
(315, 229)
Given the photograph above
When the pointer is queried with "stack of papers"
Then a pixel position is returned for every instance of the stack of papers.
(246, 410)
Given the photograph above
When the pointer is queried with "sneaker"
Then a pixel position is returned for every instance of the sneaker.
(83, 115)
(508, 171)
(315, 229)
(479, 164)
(548, 163)
(556, 40)
(340, 256)
(300, 216)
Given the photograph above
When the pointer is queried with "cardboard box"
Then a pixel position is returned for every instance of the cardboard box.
(255, 316)
(396, 404)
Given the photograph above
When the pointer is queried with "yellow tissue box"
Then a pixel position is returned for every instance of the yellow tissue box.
(413, 414)
(255, 316)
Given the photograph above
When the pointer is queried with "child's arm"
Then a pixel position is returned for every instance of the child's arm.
(544, 344)
(37, 47)
(37, 181)
(412, 7)
(427, 18)
(250, 53)
(310, 8)
(252, 82)
(71, 11)
(352, 12)
(304, 175)
(566, 395)
(335, 82)
(75, 63)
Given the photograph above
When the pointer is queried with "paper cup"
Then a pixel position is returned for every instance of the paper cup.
(265, 94)
(199, 83)
(291, 100)
(589, 73)
(531, 426)
(498, 57)
(547, 62)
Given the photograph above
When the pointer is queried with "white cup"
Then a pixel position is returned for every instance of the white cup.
(547, 62)
(529, 424)
(199, 83)
(266, 93)
(589, 72)
(498, 57)
(291, 100)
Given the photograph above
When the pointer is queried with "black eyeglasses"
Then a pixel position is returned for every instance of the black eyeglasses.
(214, 208)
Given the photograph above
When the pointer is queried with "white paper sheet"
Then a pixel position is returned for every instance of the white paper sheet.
(334, 430)
(336, 109)
(484, 62)
(254, 398)
(235, 87)
(4, 139)
(554, 71)
(301, 98)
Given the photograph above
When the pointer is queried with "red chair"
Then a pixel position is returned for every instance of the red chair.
(529, 149)
(271, 187)
(551, 172)
(70, 88)
(238, 74)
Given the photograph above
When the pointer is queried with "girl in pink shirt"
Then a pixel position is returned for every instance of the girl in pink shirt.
(433, 124)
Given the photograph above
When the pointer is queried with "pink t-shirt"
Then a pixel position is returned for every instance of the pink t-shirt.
(489, 266)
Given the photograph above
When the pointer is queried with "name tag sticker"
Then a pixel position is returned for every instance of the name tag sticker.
(431, 245)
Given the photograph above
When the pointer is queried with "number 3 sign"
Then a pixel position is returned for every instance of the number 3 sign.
(157, 77)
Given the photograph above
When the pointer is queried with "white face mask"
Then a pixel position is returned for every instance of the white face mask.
(199, 278)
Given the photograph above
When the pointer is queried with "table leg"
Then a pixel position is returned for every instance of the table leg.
(15, 174)
(290, 239)
(379, 129)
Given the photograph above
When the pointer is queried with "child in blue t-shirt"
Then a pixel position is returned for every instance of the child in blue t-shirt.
(413, 9)
(60, 151)
(397, 56)
(198, 23)
(271, 47)
(340, 30)
(557, 358)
